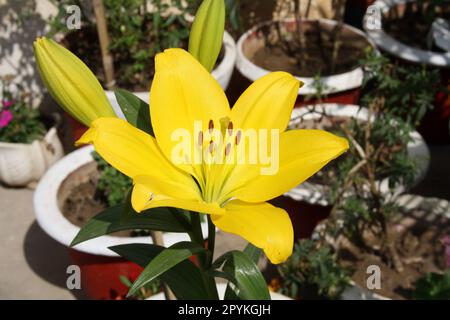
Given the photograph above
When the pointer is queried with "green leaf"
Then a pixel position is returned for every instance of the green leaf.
(254, 254)
(249, 282)
(165, 260)
(117, 219)
(206, 36)
(136, 111)
(185, 280)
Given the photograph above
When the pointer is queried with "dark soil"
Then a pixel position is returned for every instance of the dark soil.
(316, 58)
(419, 245)
(411, 26)
(84, 202)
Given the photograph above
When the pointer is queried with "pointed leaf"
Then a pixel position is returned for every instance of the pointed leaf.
(136, 111)
(254, 254)
(185, 280)
(167, 259)
(117, 219)
(249, 282)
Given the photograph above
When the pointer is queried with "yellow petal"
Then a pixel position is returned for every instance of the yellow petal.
(144, 197)
(301, 154)
(265, 226)
(267, 103)
(183, 92)
(132, 151)
(70, 82)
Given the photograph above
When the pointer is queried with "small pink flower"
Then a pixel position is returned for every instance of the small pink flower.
(7, 103)
(5, 118)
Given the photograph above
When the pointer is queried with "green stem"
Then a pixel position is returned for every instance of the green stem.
(211, 240)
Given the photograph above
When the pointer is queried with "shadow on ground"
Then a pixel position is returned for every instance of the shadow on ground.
(47, 258)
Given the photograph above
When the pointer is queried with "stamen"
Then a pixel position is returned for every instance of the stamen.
(152, 196)
(200, 138)
(230, 128)
(227, 149)
(238, 137)
(211, 125)
(211, 147)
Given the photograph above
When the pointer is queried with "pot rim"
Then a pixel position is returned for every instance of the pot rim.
(50, 132)
(315, 193)
(221, 287)
(335, 83)
(395, 47)
(53, 222)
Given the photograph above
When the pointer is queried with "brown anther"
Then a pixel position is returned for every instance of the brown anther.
(230, 128)
(151, 197)
(238, 137)
(211, 146)
(210, 125)
(200, 138)
(227, 149)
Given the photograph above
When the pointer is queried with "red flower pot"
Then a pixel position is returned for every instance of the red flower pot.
(304, 216)
(78, 129)
(100, 275)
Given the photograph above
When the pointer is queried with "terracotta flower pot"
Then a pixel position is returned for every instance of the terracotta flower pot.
(340, 88)
(435, 126)
(100, 267)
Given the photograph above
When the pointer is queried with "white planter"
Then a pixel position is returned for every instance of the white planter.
(318, 194)
(21, 163)
(221, 287)
(252, 40)
(53, 222)
(222, 73)
(373, 25)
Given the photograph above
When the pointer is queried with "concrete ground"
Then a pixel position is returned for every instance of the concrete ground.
(33, 266)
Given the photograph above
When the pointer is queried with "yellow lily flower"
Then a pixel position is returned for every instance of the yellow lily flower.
(70, 82)
(233, 192)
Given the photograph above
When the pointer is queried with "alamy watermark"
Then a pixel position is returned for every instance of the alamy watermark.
(73, 281)
(373, 18)
(373, 281)
(73, 20)
(212, 144)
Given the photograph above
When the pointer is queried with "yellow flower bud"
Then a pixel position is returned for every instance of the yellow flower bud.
(205, 40)
(70, 82)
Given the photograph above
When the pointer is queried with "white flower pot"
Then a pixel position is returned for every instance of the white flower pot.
(253, 40)
(47, 201)
(21, 163)
(221, 287)
(318, 194)
(373, 25)
(222, 73)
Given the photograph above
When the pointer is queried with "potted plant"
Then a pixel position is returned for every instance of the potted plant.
(137, 32)
(311, 273)
(369, 224)
(28, 144)
(404, 29)
(403, 93)
(70, 194)
(307, 48)
(410, 253)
